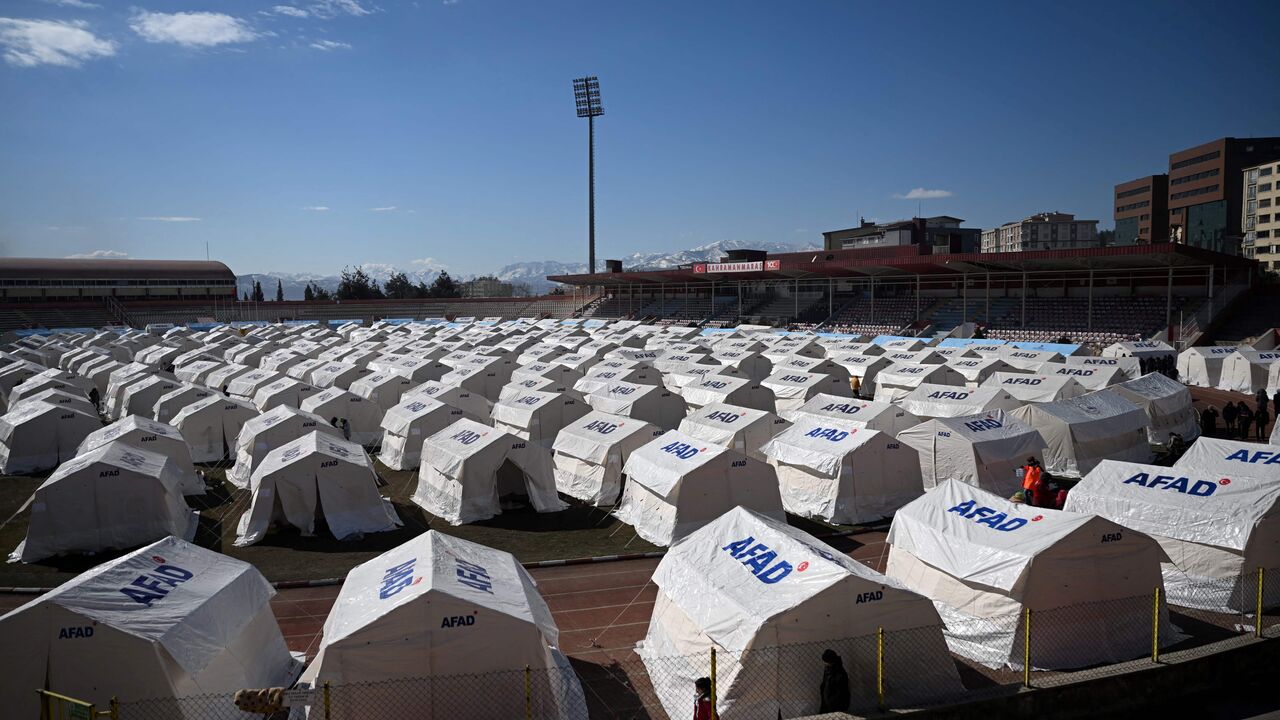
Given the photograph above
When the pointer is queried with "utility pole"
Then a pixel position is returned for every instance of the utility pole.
(586, 98)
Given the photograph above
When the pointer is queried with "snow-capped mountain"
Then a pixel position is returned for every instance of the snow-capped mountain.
(532, 273)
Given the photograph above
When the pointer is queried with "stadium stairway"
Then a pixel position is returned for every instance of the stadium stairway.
(1253, 314)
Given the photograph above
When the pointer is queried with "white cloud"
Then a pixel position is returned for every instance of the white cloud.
(288, 11)
(191, 29)
(170, 218)
(330, 45)
(102, 255)
(333, 8)
(65, 228)
(923, 194)
(81, 4)
(388, 208)
(317, 208)
(429, 262)
(448, 2)
(28, 43)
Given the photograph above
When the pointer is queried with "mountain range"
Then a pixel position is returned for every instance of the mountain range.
(531, 273)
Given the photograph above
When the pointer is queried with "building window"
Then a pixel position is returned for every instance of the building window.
(1198, 191)
(1264, 187)
(1251, 207)
(1264, 171)
(1196, 160)
(1264, 233)
(1136, 191)
(1264, 218)
(1264, 203)
(1194, 176)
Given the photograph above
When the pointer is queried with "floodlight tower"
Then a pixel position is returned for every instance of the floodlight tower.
(586, 96)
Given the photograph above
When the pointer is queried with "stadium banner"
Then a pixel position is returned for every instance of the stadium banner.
(731, 267)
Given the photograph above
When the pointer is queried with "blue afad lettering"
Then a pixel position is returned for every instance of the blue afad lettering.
(474, 576)
(1021, 381)
(680, 450)
(149, 587)
(1201, 488)
(602, 427)
(466, 437)
(71, 633)
(841, 408)
(983, 425)
(1261, 456)
(759, 559)
(396, 579)
(831, 434)
(867, 597)
(724, 417)
(987, 516)
(941, 395)
(795, 378)
(453, 621)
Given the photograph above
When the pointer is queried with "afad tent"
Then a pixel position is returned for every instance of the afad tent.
(474, 405)
(864, 366)
(741, 391)
(653, 404)
(538, 416)
(934, 401)
(792, 389)
(157, 437)
(1130, 366)
(897, 381)
(884, 417)
(1036, 388)
(316, 476)
(677, 483)
(591, 451)
(383, 389)
(984, 561)
(140, 398)
(467, 468)
(282, 391)
(169, 620)
(1081, 432)
(363, 418)
(1202, 366)
(981, 450)
(1231, 458)
(1146, 349)
(1217, 530)
(406, 425)
(1091, 377)
(441, 607)
(977, 369)
(211, 425)
(844, 475)
(1167, 404)
(267, 432)
(769, 597)
(172, 402)
(37, 435)
(737, 428)
(113, 497)
(1246, 370)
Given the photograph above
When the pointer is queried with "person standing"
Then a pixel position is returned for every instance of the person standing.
(1209, 421)
(834, 692)
(1260, 419)
(1262, 398)
(1032, 476)
(1244, 418)
(855, 384)
(1229, 419)
(702, 702)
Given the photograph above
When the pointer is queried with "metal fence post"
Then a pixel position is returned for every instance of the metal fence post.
(1155, 626)
(1257, 625)
(1026, 649)
(714, 713)
(528, 694)
(880, 668)
(114, 708)
(326, 700)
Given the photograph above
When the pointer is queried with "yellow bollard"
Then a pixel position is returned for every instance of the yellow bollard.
(714, 712)
(1155, 627)
(1026, 649)
(1257, 624)
(326, 700)
(880, 668)
(528, 694)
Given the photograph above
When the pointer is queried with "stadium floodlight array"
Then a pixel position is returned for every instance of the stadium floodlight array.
(586, 98)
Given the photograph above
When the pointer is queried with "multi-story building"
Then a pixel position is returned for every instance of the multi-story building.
(1044, 231)
(1261, 214)
(1142, 211)
(486, 286)
(1206, 205)
(942, 233)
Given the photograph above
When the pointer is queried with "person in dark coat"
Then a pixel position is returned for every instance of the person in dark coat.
(1229, 419)
(1262, 398)
(1209, 421)
(1275, 402)
(1260, 419)
(1244, 418)
(835, 684)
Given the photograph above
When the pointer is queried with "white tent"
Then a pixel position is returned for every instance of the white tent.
(364, 419)
(745, 430)
(52, 379)
(316, 475)
(152, 436)
(112, 497)
(121, 379)
(406, 425)
(268, 431)
(981, 450)
(220, 378)
(337, 374)
(100, 375)
(64, 399)
(884, 417)
(1231, 458)
(1217, 529)
(282, 391)
(1097, 377)
(13, 374)
(897, 381)
(793, 389)
(1081, 432)
(383, 389)
(211, 425)
(1036, 388)
(748, 363)
(741, 391)
(37, 435)
(1167, 404)
(474, 405)
(653, 404)
(140, 398)
(172, 402)
(538, 416)
(1246, 370)
(933, 401)
(1202, 366)
(591, 452)
(1146, 349)
(843, 475)
(1028, 359)
(921, 356)
(976, 369)
(468, 467)
(984, 561)
(518, 387)
(169, 620)
(677, 483)
(769, 598)
(864, 366)
(1130, 366)
(486, 620)
(246, 385)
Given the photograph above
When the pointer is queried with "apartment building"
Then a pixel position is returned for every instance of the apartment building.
(1142, 211)
(1043, 231)
(1260, 216)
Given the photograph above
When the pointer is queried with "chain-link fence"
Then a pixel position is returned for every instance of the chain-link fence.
(974, 652)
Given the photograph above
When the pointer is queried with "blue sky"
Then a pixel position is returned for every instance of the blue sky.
(444, 132)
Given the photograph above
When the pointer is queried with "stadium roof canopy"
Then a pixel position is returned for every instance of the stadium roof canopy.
(108, 269)
(916, 260)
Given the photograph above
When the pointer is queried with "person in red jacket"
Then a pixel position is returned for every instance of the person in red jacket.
(1032, 482)
(702, 709)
